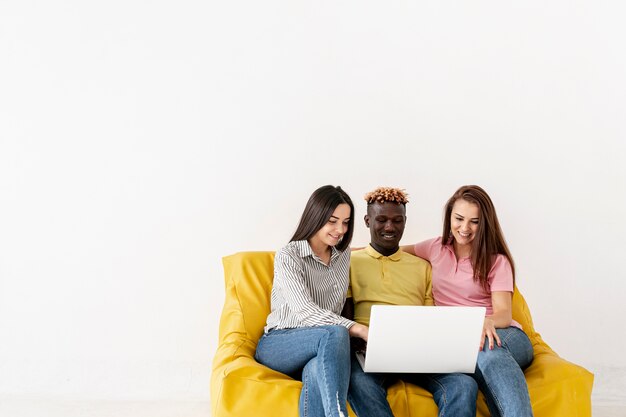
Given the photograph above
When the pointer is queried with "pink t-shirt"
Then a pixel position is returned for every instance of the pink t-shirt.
(453, 282)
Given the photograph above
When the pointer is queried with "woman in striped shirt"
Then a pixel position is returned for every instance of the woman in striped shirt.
(305, 336)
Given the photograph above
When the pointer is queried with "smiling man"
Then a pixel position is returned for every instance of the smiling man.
(382, 273)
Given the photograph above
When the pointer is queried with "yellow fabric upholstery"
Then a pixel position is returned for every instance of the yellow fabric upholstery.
(240, 386)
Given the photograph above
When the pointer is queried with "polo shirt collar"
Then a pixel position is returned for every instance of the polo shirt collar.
(376, 255)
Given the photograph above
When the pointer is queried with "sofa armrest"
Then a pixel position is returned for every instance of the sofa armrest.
(548, 368)
(558, 387)
(240, 386)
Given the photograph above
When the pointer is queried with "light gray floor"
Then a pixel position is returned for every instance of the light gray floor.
(25, 407)
(30, 407)
(609, 411)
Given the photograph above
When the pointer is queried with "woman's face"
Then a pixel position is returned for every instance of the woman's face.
(464, 221)
(331, 233)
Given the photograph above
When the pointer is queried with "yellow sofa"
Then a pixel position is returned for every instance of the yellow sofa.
(241, 387)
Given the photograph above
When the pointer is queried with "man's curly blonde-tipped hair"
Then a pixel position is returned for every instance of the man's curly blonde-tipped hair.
(384, 194)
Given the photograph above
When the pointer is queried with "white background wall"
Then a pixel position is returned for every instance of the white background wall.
(141, 141)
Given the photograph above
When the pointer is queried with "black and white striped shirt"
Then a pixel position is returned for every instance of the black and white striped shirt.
(307, 292)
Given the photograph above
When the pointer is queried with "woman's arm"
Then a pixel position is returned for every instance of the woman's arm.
(357, 329)
(408, 249)
(423, 249)
(501, 285)
(289, 281)
(501, 317)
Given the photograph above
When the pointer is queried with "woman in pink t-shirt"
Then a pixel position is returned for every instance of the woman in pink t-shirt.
(472, 266)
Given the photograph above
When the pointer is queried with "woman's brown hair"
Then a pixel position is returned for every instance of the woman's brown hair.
(318, 210)
(489, 240)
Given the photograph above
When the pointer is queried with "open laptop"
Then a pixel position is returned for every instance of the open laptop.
(422, 339)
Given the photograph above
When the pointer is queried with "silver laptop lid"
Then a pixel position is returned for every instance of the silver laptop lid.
(423, 339)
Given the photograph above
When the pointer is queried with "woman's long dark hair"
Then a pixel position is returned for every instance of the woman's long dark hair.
(318, 210)
(489, 240)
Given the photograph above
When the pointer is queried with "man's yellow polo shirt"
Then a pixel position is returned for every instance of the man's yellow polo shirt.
(398, 279)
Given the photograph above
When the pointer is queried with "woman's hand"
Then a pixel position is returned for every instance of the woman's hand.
(359, 330)
(489, 331)
(501, 318)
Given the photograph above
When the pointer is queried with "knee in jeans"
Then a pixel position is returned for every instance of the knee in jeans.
(339, 333)
(461, 388)
(488, 358)
(468, 386)
(362, 385)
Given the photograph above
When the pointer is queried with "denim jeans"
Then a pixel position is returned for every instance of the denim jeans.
(320, 357)
(454, 394)
(500, 377)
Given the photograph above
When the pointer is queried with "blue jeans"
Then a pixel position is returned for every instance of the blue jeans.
(500, 377)
(320, 357)
(454, 394)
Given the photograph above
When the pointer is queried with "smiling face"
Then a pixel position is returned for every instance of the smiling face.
(386, 222)
(331, 233)
(464, 221)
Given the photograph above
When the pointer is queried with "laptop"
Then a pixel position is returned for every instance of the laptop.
(422, 339)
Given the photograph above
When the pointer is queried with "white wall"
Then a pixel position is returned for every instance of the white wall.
(141, 141)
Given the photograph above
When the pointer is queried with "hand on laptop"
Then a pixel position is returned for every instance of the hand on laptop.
(359, 330)
(357, 344)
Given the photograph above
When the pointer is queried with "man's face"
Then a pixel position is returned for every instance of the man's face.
(386, 222)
